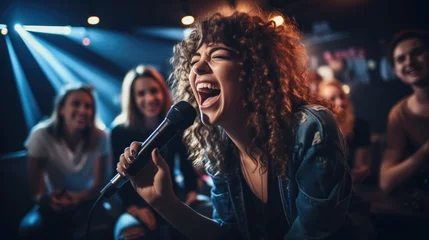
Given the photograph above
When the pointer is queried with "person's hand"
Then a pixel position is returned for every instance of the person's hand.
(60, 201)
(359, 174)
(153, 183)
(143, 214)
(191, 197)
(76, 197)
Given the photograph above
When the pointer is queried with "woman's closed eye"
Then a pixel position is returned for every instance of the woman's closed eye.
(220, 57)
(194, 61)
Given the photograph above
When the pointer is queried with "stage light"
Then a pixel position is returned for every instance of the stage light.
(17, 27)
(64, 30)
(278, 20)
(55, 72)
(346, 89)
(93, 20)
(29, 105)
(4, 31)
(188, 20)
(86, 41)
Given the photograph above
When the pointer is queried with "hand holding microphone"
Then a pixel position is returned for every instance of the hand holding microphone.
(154, 182)
(142, 162)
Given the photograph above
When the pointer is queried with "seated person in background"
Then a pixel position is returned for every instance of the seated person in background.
(145, 103)
(67, 155)
(404, 169)
(314, 79)
(357, 134)
(355, 130)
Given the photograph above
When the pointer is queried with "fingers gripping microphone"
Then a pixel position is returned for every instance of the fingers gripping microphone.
(180, 116)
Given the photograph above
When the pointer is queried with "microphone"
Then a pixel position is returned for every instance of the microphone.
(180, 116)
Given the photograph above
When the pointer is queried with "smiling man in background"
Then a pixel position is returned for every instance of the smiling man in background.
(405, 164)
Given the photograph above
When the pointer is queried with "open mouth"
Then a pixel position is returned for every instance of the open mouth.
(80, 119)
(411, 71)
(208, 93)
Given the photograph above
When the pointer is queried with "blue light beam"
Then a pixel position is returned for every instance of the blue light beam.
(56, 73)
(63, 30)
(29, 105)
(106, 84)
(124, 50)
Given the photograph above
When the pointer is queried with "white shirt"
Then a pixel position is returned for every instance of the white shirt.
(73, 171)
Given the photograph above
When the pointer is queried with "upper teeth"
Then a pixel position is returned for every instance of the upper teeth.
(206, 85)
(409, 70)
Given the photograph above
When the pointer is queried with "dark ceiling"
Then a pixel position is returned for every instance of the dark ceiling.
(125, 15)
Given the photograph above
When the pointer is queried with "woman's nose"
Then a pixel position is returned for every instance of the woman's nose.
(149, 97)
(201, 67)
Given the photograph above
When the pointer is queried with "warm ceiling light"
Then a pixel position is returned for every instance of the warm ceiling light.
(278, 20)
(93, 20)
(4, 31)
(188, 20)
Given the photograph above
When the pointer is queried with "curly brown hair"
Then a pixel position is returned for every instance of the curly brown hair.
(273, 64)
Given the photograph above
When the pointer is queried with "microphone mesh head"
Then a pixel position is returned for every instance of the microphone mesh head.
(182, 114)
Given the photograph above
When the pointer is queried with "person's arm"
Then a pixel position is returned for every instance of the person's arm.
(324, 182)
(36, 146)
(394, 172)
(155, 186)
(394, 169)
(188, 221)
(35, 176)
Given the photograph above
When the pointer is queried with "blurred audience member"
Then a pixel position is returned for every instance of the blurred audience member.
(145, 102)
(67, 155)
(355, 130)
(357, 134)
(314, 79)
(404, 170)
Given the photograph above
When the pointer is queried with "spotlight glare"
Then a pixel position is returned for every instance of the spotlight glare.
(4, 31)
(65, 30)
(86, 41)
(17, 27)
(187, 32)
(346, 89)
(93, 20)
(278, 20)
(188, 20)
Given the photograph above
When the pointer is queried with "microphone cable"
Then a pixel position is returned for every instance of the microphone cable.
(91, 212)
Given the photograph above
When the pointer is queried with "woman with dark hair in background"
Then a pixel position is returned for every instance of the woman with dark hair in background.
(67, 155)
(276, 158)
(145, 102)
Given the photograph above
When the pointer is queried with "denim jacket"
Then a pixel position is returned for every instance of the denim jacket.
(316, 193)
